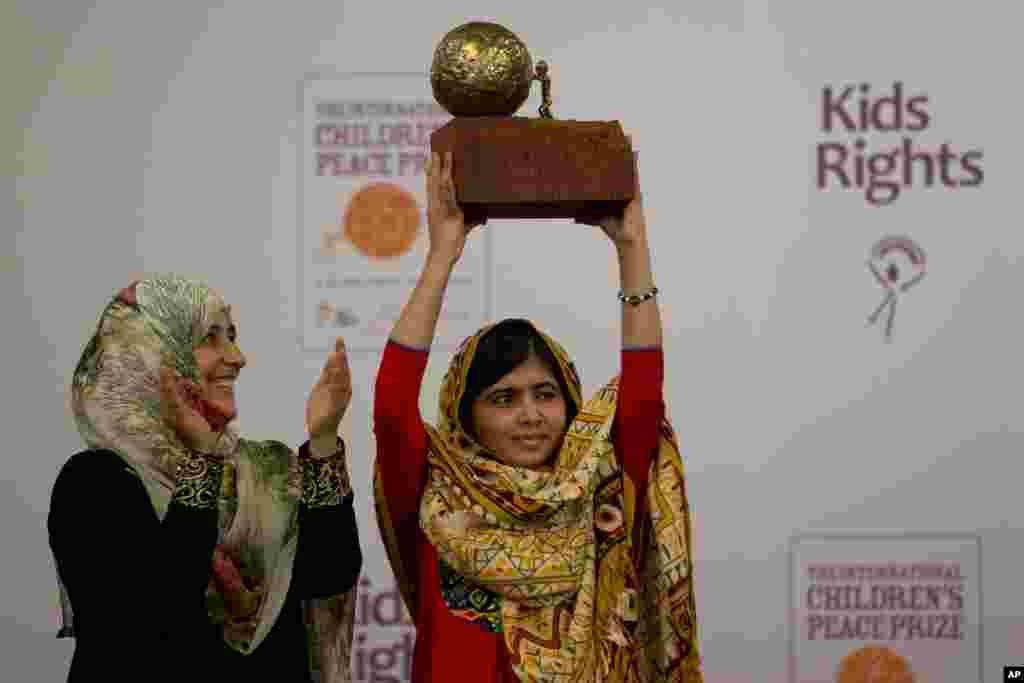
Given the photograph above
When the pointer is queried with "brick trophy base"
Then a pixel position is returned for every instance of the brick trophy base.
(517, 167)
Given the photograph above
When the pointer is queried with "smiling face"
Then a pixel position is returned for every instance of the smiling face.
(522, 417)
(220, 361)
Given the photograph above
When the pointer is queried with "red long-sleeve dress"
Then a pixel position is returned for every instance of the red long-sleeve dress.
(449, 648)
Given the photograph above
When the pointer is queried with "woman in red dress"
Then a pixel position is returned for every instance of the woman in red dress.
(535, 536)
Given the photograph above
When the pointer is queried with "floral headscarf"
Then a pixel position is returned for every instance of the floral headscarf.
(546, 558)
(116, 402)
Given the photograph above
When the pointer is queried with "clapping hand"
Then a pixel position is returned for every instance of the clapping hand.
(180, 405)
(330, 397)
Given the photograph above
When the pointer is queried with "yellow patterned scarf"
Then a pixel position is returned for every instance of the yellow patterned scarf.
(546, 557)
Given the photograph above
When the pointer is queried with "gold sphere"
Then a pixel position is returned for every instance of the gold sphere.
(481, 69)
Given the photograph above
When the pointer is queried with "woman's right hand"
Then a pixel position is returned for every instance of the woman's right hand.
(448, 227)
(416, 325)
(180, 403)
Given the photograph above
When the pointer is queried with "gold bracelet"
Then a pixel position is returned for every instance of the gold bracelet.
(339, 448)
(637, 299)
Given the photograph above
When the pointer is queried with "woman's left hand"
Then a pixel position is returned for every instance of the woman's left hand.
(330, 396)
(629, 228)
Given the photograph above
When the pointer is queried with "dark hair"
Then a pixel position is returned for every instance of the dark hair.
(501, 350)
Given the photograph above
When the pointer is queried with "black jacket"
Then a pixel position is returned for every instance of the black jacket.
(137, 585)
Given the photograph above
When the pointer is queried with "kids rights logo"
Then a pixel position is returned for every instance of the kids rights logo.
(894, 159)
(898, 264)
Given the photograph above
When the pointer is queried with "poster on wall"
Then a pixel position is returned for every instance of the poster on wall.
(363, 236)
(886, 608)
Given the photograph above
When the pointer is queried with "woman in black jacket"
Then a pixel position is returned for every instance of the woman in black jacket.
(185, 551)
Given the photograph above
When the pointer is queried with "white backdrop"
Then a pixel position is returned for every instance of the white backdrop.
(149, 136)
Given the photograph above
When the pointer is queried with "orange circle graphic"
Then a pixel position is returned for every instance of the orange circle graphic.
(382, 220)
(874, 664)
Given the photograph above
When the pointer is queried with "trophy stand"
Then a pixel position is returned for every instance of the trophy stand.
(506, 166)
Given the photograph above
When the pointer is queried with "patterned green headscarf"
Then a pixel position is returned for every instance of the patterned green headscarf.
(116, 402)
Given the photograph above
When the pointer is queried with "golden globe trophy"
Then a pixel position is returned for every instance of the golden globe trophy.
(507, 166)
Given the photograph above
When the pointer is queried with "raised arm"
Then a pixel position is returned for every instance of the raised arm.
(448, 231)
(641, 319)
(640, 408)
(641, 323)
(329, 556)
(398, 426)
(401, 439)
